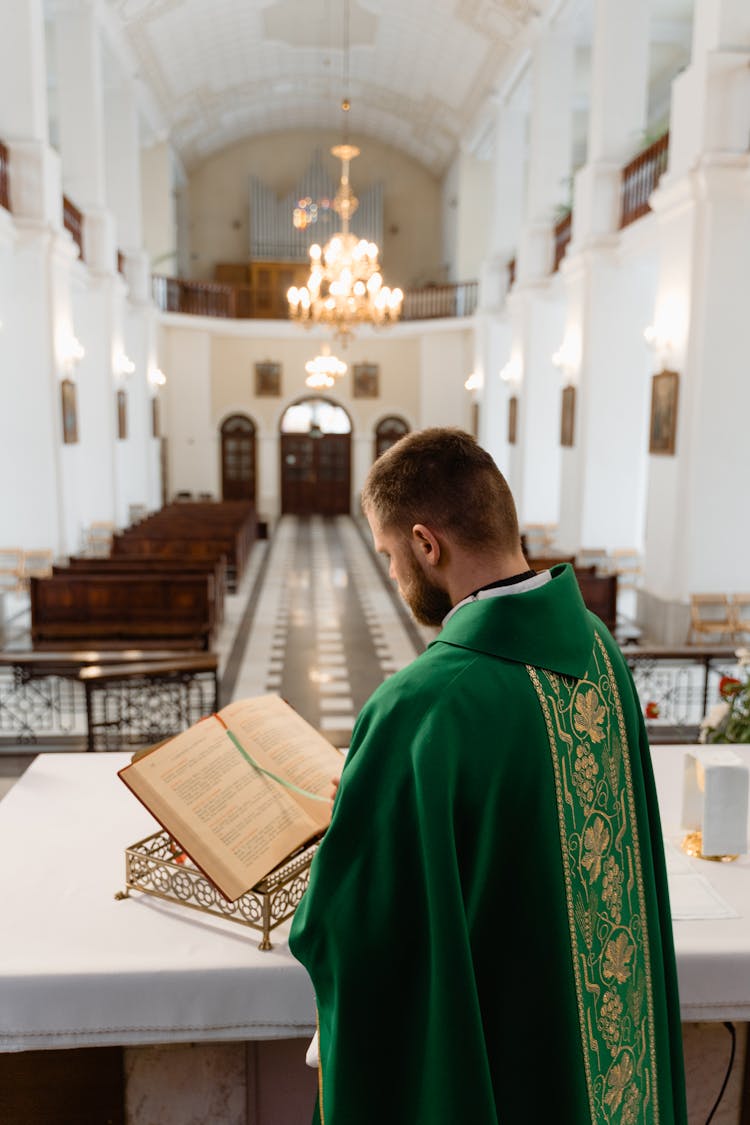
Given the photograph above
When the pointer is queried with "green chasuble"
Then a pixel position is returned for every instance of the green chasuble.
(487, 924)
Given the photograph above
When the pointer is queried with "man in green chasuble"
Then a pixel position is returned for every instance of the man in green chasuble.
(487, 924)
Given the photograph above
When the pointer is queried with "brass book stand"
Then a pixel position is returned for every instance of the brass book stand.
(158, 866)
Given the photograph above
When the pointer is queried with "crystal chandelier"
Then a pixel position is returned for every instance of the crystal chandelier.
(345, 287)
(323, 371)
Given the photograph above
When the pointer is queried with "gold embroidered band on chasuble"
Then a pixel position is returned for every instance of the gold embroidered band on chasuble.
(604, 890)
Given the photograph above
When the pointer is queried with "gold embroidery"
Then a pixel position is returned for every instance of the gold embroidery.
(638, 868)
(604, 885)
(589, 715)
(569, 894)
(595, 842)
(617, 957)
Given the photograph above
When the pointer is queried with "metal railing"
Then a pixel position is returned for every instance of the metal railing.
(102, 700)
(219, 299)
(678, 685)
(639, 179)
(73, 223)
(563, 235)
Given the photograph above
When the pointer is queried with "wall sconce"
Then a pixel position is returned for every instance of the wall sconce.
(71, 351)
(567, 359)
(661, 344)
(513, 370)
(474, 382)
(156, 377)
(122, 366)
(669, 328)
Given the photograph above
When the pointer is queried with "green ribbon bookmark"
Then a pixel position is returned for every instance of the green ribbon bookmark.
(273, 776)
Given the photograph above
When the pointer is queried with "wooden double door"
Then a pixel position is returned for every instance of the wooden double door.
(316, 474)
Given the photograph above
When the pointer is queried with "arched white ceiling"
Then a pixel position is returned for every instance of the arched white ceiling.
(219, 70)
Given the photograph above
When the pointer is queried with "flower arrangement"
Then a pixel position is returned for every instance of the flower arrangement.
(729, 720)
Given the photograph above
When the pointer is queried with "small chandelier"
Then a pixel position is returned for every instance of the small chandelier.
(345, 286)
(323, 371)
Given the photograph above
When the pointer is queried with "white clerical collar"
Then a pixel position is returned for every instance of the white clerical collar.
(534, 583)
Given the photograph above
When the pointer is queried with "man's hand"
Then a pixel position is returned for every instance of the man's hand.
(334, 789)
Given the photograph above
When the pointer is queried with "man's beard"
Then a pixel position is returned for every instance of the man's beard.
(428, 603)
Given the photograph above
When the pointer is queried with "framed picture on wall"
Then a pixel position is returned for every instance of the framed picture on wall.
(365, 380)
(568, 416)
(122, 415)
(69, 412)
(155, 420)
(663, 426)
(512, 419)
(267, 380)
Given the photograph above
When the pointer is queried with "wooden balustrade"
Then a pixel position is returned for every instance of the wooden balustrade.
(73, 223)
(213, 298)
(197, 298)
(563, 234)
(440, 300)
(639, 179)
(4, 177)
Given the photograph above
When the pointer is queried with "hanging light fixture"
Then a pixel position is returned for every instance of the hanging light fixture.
(345, 286)
(323, 371)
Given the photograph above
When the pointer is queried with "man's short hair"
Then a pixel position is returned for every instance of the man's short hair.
(443, 478)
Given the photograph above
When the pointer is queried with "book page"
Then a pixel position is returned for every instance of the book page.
(283, 742)
(234, 823)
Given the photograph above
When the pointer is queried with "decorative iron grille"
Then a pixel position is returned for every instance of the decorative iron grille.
(139, 711)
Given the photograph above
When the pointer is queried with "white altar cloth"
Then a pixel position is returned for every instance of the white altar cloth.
(78, 968)
(713, 955)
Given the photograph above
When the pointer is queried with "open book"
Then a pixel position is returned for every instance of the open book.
(240, 790)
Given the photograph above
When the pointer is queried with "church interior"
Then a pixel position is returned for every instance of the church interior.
(245, 247)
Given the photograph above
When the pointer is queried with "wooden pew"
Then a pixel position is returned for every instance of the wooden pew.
(122, 610)
(165, 548)
(599, 591)
(230, 524)
(159, 567)
(600, 595)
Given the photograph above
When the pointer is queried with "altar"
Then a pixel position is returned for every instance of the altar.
(80, 969)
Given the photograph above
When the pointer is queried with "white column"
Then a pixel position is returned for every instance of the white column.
(34, 167)
(711, 98)
(536, 317)
(123, 178)
(617, 113)
(81, 116)
(535, 308)
(492, 348)
(506, 214)
(550, 151)
(159, 213)
(697, 539)
(608, 301)
(603, 474)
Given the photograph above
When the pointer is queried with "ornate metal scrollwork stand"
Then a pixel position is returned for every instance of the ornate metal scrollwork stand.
(158, 866)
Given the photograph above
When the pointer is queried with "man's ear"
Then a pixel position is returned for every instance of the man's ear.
(425, 544)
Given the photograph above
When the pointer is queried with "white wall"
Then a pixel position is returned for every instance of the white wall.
(159, 209)
(210, 375)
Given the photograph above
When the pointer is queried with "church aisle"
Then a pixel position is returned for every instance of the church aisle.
(327, 626)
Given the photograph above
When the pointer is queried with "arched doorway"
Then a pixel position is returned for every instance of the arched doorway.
(388, 431)
(315, 458)
(238, 458)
